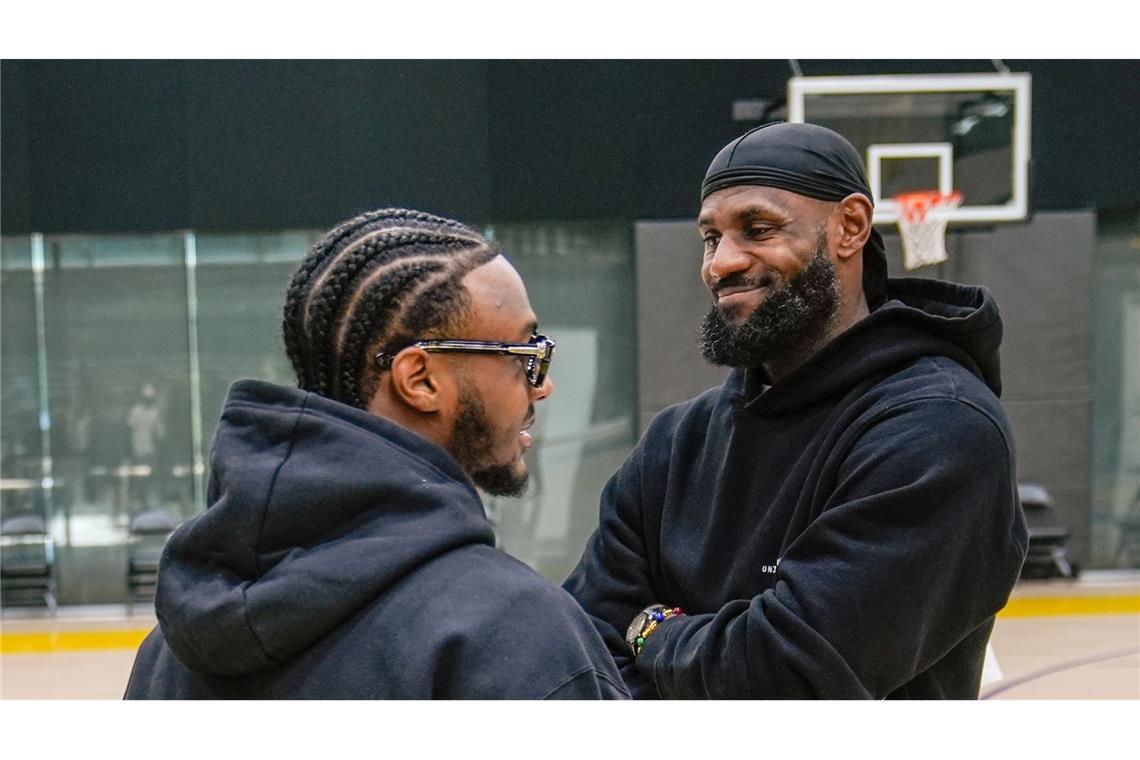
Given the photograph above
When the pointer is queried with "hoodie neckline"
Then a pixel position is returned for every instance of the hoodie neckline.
(921, 317)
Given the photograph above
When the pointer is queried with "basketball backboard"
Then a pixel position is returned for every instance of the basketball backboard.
(964, 132)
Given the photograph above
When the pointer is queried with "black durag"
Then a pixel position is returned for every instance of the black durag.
(806, 159)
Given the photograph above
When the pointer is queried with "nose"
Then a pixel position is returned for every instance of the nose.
(728, 258)
(538, 394)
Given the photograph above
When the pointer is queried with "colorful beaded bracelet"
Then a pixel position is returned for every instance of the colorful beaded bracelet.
(646, 622)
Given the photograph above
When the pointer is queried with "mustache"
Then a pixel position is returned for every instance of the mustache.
(740, 280)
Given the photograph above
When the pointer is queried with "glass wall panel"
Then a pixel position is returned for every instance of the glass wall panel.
(21, 466)
(140, 332)
(1116, 405)
(117, 357)
(241, 283)
(581, 284)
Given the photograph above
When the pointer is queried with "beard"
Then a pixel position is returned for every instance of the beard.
(472, 446)
(789, 322)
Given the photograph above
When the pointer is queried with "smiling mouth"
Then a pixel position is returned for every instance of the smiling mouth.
(761, 283)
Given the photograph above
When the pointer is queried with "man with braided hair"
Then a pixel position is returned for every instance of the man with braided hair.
(345, 552)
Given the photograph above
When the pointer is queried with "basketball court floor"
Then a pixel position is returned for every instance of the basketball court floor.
(1055, 640)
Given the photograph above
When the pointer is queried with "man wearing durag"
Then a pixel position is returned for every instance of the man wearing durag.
(839, 519)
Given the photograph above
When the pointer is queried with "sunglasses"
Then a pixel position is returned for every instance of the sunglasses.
(538, 353)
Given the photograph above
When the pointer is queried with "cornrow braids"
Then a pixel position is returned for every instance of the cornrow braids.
(381, 276)
(322, 253)
(434, 304)
(357, 261)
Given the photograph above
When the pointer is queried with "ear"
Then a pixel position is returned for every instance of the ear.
(855, 212)
(416, 380)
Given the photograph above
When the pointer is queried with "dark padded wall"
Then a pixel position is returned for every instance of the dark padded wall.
(304, 144)
(613, 139)
(15, 153)
(100, 146)
(117, 146)
(1092, 108)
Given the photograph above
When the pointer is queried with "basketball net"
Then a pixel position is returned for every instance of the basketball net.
(922, 225)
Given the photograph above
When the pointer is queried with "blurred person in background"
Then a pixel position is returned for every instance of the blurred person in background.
(345, 552)
(147, 429)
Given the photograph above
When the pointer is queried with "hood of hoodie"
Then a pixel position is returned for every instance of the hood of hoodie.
(920, 317)
(315, 508)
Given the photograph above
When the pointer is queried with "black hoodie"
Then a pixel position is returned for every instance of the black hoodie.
(343, 556)
(848, 532)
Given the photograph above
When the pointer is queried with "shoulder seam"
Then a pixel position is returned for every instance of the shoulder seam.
(938, 397)
(583, 671)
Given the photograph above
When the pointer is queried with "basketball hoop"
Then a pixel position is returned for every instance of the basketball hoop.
(922, 225)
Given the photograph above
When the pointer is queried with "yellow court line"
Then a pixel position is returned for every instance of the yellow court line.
(70, 641)
(76, 641)
(1046, 606)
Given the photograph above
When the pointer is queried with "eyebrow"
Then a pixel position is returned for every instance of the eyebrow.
(531, 328)
(746, 214)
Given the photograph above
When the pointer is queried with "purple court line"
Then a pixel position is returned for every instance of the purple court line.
(1002, 686)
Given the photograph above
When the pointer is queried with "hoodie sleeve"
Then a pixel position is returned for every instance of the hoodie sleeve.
(612, 580)
(918, 543)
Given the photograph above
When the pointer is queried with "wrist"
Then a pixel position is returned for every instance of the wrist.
(645, 623)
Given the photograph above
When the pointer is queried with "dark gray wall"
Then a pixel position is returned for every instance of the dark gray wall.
(671, 300)
(122, 146)
(1038, 271)
(225, 145)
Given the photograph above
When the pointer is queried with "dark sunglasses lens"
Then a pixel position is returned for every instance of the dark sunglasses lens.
(543, 364)
(537, 366)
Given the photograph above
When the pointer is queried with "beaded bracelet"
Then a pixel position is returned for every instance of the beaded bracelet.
(646, 622)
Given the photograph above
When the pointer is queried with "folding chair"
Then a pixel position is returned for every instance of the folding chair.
(27, 561)
(146, 536)
(1047, 556)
